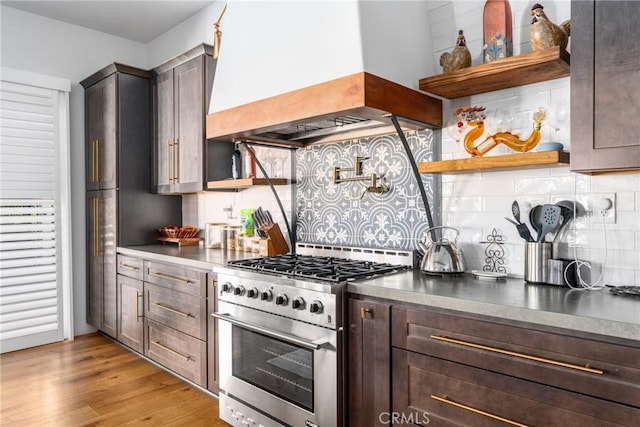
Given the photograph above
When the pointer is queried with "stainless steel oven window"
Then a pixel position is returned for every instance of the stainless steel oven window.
(278, 367)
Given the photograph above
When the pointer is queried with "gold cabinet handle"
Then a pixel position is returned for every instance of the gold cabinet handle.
(364, 312)
(138, 296)
(130, 267)
(170, 160)
(176, 164)
(172, 351)
(97, 161)
(170, 277)
(520, 355)
(93, 161)
(173, 310)
(445, 399)
(96, 223)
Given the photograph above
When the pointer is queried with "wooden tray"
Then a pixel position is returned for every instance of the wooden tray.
(188, 241)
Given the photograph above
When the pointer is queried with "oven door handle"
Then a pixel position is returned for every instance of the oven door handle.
(274, 334)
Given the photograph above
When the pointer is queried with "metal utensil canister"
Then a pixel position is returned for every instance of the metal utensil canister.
(536, 258)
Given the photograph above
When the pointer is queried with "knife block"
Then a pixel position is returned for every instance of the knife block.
(274, 244)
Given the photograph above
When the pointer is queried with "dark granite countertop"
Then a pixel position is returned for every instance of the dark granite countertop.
(596, 311)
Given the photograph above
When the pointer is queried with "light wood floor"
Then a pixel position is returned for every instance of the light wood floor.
(94, 381)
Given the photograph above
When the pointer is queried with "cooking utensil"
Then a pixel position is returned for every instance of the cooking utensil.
(550, 220)
(522, 228)
(515, 209)
(442, 256)
(535, 219)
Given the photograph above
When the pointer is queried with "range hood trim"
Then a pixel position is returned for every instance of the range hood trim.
(361, 95)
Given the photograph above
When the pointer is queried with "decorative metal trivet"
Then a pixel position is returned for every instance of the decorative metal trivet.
(494, 253)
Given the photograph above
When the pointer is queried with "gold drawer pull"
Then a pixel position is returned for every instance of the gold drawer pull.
(520, 355)
(170, 277)
(138, 296)
(172, 351)
(364, 312)
(130, 267)
(173, 310)
(445, 399)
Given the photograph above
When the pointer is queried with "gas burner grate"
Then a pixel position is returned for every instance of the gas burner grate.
(329, 269)
(633, 291)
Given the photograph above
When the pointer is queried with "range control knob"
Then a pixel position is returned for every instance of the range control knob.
(226, 287)
(266, 295)
(298, 303)
(282, 299)
(252, 293)
(316, 307)
(239, 290)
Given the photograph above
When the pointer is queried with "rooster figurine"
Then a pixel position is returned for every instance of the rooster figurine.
(459, 58)
(545, 33)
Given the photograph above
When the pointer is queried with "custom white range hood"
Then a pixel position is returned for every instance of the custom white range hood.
(295, 73)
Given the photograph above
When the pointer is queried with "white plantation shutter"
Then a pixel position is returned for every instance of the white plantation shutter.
(33, 219)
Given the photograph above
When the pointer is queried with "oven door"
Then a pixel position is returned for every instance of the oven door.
(286, 369)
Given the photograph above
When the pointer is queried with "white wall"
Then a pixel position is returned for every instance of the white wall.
(476, 203)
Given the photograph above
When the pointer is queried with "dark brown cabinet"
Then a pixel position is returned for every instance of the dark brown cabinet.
(120, 207)
(414, 365)
(182, 89)
(101, 260)
(605, 94)
(130, 302)
(455, 369)
(130, 309)
(175, 316)
(369, 363)
(101, 134)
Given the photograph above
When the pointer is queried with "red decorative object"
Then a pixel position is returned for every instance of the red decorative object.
(497, 30)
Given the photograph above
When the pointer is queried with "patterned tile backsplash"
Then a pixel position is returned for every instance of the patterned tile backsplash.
(341, 214)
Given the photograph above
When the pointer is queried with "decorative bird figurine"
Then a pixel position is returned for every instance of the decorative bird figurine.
(545, 33)
(459, 58)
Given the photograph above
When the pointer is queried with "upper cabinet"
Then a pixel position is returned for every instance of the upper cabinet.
(181, 91)
(100, 119)
(605, 93)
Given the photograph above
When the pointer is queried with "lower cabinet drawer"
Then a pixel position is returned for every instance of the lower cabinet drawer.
(428, 390)
(177, 277)
(183, 354)
(130, 267)
(183, 312)
(593, 367)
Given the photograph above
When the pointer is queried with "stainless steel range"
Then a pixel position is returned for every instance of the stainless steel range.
(280, 333)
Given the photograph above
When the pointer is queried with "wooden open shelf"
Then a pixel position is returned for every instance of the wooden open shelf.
(531, 160)
(235, 184)
(528, 68)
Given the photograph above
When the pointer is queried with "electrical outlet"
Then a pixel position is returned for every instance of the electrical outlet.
(603, 205)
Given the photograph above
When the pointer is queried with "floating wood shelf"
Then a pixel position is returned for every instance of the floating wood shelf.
(528, 68)
(542, 159)
(235, 184)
